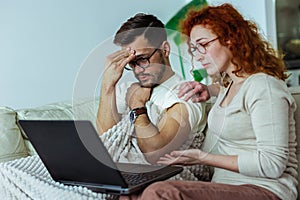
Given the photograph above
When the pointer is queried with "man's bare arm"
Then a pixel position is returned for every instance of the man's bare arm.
(172, 131)
(107, 115)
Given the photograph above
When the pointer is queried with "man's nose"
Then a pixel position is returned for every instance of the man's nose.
(138, 69)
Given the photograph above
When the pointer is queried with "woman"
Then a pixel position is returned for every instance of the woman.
(250, 140)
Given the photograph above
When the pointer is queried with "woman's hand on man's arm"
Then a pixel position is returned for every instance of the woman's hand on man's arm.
(197, 92)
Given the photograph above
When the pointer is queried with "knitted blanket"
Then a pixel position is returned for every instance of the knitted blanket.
(28, 178)
(124, 148)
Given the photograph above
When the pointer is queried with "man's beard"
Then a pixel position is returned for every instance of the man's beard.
(156, 77)
(154, 80)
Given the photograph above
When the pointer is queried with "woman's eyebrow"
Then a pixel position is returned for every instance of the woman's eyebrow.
(194, 44)
(199, 39)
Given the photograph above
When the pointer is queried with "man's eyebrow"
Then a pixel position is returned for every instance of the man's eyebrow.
(142, 55)
(139, 56)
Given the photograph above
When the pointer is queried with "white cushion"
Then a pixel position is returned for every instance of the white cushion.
(79, 110)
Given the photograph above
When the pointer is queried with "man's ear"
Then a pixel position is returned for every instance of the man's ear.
(166, 48)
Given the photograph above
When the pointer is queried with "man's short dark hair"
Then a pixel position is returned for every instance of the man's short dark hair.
(141, 24)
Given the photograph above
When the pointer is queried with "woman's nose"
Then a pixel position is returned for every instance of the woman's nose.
(199, 57)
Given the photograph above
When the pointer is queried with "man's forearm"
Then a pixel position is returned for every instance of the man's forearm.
(107, 115)
(149, 139)
(145, 132)
(171, 132)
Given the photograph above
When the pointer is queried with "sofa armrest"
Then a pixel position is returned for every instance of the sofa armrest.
(12, 144)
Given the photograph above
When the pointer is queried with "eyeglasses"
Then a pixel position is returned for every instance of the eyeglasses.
(141, 62)
(202, 48)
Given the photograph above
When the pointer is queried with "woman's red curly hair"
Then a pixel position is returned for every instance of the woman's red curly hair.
(250, 52)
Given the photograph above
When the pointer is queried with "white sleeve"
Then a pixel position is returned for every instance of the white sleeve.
(269, 107)
(196, 111)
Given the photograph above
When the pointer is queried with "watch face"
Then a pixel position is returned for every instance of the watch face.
(132, 116)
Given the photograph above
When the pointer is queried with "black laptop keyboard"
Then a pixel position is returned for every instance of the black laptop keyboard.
(137, 178)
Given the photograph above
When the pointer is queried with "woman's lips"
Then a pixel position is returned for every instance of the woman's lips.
(205, 65)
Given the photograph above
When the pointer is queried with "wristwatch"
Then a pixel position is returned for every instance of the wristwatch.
(134, 113)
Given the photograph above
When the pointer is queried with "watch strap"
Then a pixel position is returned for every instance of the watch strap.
(139, 111)
(134, 113)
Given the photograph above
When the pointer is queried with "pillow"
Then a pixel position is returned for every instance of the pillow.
(80, 110)
(12, 145)
(296, 94)
(85, 109)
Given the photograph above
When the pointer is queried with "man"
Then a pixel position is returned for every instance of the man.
(162, 121)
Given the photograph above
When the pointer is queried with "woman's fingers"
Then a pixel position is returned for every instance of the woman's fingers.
(185, 88)
(172, 158)
(193, 90)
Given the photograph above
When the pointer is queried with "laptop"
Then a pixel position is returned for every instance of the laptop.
(73, 153)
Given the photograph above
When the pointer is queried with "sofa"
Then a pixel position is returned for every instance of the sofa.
(14, 144)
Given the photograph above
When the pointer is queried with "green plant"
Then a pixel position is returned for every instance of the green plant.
(174, 22)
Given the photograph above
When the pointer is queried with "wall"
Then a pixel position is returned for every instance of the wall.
(43, 44)
(260, 11)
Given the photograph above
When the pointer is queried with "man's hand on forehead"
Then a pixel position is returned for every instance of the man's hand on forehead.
(130, 51)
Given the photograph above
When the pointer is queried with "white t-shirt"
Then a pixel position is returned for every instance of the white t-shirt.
(162, 98)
